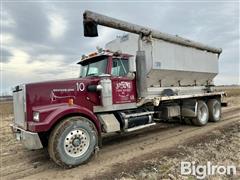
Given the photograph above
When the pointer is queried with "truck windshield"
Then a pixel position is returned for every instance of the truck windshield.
(94, 69)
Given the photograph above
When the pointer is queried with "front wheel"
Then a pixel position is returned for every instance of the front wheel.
(72, 142)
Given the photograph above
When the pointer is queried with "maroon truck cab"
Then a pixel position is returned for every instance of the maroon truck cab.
(54, 100)
(104, 85)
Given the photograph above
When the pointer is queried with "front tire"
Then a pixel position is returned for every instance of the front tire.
(72, 142)
(202, 114)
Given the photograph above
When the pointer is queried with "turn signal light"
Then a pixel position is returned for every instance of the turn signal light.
(70, 102)
(92, 54)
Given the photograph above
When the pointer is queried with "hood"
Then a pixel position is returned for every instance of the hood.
(52, 93)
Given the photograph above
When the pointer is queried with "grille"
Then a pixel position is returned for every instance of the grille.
(19, 106)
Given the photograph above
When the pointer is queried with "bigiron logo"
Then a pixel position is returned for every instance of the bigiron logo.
(202, 171)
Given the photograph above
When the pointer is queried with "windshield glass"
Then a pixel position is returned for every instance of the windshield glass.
(94, 69)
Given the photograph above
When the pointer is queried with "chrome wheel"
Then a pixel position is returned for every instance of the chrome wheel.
(203, 114)
(76, 142)
(72, 141)
(216, 110)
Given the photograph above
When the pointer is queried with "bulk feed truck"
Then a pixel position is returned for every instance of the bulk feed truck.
(142, 77)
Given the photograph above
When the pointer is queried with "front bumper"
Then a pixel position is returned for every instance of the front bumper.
(29, 139)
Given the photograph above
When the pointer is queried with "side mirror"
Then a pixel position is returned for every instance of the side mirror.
(90, 28)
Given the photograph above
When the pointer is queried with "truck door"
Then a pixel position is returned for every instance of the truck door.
(123, 87)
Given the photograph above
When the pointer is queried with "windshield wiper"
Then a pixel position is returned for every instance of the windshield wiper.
(92, 75)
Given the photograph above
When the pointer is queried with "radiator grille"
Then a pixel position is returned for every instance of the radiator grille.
(19, 106)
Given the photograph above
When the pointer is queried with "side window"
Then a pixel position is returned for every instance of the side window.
(120, 67)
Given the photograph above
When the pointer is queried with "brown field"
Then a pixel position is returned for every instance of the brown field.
(233, 92)
(6, 108)
(230, 91)
(154, 153)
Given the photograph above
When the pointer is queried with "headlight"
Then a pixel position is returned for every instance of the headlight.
(36, 116)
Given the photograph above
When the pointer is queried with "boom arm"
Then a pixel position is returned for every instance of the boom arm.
(91, 20)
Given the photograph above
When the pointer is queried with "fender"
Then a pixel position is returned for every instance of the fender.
(56, 113)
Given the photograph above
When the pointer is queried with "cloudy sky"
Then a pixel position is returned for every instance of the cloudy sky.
(43, 40)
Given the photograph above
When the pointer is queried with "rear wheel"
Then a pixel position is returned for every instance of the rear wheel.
(202, 114)
(214, 107)
(72, 142)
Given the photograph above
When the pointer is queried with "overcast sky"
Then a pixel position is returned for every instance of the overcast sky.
(44, 40)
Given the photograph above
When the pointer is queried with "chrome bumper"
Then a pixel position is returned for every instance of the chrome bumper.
(29, 139)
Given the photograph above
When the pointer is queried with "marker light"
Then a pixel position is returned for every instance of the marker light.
(92, 54)
(70, 102)
(36, 116)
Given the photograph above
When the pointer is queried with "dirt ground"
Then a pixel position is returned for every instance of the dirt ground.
(153, 153)
(220, 147)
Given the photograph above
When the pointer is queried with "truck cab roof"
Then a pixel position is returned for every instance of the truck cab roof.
(94, 56)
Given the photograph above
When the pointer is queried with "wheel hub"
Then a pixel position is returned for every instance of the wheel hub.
(76, 142)
(203, 114)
